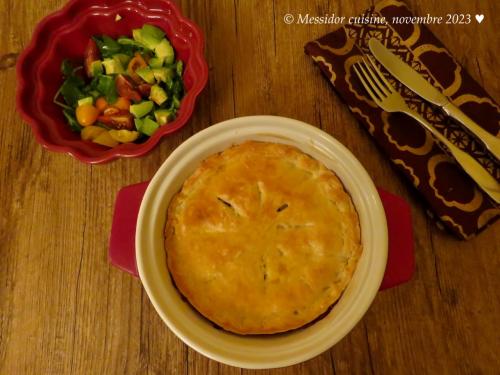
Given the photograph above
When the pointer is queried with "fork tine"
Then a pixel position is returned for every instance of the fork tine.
(382, 77)
(376, 77)
(371, 79)
(365, 84)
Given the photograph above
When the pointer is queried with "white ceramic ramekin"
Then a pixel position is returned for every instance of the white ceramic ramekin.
(259, 352)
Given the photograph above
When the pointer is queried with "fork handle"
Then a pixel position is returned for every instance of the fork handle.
(470, 165)
(491, 142)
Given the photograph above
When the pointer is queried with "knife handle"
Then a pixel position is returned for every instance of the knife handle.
(470, 165)
(491, 142)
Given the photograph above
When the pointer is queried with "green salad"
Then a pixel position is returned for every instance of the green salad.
(125, 90)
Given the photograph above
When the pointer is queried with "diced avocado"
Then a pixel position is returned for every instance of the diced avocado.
(150, 36)
(155, 62)
(113, 66)
(179, 68)
(163, 74)
(130, 42)
(149, 126)
(137, 35)
(163, 116)
(139, 123)
(141, 109)
(96, 68)
(149, 42)
(158, 95)
(152, 31)
(146, 74)
(87, 100)
(165, 51)
(122, 58)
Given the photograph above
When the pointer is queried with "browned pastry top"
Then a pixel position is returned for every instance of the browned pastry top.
(262, 238)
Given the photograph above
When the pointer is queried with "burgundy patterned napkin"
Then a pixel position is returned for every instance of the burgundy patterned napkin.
(452, 195)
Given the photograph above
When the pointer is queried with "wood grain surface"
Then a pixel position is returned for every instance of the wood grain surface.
(65, 310)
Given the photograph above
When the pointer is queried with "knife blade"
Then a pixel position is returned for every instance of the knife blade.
(419, 85)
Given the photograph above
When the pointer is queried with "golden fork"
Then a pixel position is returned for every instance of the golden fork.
(387, 98)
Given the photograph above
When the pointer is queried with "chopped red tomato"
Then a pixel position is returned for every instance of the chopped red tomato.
(91, 54)
(125, 89)
(134, 64)
(144, 89)
(119, 120)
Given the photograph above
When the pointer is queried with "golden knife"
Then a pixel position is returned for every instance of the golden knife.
(415, 82)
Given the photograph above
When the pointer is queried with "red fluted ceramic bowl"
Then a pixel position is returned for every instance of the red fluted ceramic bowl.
(64, 35)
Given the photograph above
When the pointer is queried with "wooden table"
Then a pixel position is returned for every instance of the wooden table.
(65, 310)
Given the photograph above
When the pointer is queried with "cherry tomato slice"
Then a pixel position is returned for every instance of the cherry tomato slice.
(101, 104)
(125, 89)
(110, 111)
(91, 54)
(120, 120)
(134, 64)
(144, 89)
(86, 114)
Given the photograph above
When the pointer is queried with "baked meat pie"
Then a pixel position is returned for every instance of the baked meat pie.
(262, 238)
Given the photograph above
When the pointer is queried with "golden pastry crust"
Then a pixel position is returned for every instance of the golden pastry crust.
(262, 238)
